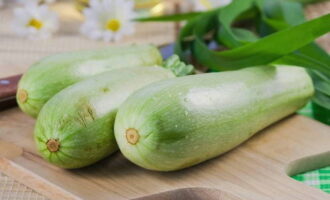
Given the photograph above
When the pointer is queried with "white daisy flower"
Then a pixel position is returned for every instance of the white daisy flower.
(109, 20)
(35, 21)
(201, 5)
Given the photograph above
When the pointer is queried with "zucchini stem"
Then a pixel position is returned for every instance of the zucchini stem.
(53, 145)
(132, 136)
(22, 95)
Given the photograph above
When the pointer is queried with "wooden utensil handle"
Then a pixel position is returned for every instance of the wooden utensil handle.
(8, 88)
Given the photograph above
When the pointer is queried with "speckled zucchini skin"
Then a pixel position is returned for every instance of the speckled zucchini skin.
(75, 128)
(52, 74)
(178, 123)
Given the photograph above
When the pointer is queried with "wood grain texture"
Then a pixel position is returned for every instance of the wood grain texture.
(254, 170)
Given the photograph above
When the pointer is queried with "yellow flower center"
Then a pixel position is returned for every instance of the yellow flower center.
(113, 25)
(35, 23)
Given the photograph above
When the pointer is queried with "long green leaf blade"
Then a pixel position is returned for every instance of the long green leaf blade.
(265, 50)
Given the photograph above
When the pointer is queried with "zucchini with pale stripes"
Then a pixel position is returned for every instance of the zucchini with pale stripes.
(52, 74)
(178, 123)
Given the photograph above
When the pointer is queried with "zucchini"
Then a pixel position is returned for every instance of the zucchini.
(52, 74)
(75, 128)
(178, 123)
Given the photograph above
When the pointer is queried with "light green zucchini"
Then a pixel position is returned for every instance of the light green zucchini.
(52, 74)
(75, 127)
(178, 123)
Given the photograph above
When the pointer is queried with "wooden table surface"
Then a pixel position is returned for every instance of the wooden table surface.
(17, 54)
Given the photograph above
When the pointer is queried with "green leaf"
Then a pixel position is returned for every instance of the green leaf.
(289, 13)
(245, 36)
(226, 34)
(282, 14)
(169, 18)
(321, 82)
(265, 50)
(206, 23)
(188, 32)
(303, 60)
(315, 51)
(278, 14)
(185, 32)
(322, 100)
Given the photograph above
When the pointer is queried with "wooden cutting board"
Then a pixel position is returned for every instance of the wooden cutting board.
(257, 169)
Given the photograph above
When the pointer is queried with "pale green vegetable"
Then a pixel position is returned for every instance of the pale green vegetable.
(52, 74)
(75, 128)
(177, 123)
